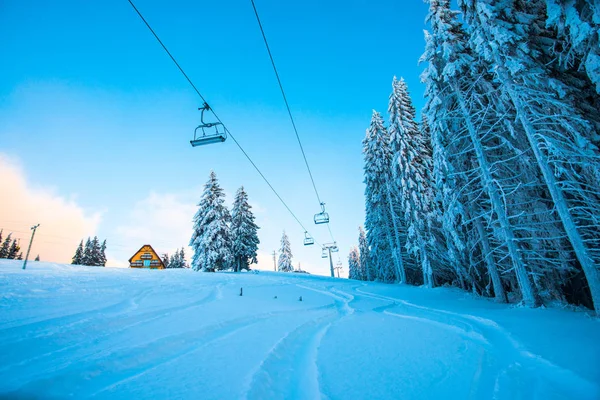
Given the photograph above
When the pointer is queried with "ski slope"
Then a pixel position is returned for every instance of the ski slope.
(79, 332)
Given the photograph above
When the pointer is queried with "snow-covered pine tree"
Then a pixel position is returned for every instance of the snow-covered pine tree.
(88, 253)
(165, 260)
(20, 256)
(177, 260)
(13, 251)
(381, 221)
(411, 168)
(450, 171)
(244, 232)
(507, 34)
(96, 252)
(102, 254)
(578, 27)
(284, 262)
(37, 258)
(78, 257)
(481, 145)
(5, 246)
(182, 262)
(366, 269)
(354, 265)
(211, 237)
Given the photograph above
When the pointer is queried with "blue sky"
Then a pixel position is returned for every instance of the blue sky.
(93, 111)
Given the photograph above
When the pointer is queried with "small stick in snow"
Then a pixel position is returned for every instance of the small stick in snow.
(300, 299)
(275, 297)
(241, 291)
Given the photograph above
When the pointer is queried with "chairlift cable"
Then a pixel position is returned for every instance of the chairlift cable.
(286, 102)
(290, 115)
(217, 117)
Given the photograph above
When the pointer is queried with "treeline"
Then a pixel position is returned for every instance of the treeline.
(223, 240)
(93, 254)
(496, 190)
(9, 248)
(176, 260)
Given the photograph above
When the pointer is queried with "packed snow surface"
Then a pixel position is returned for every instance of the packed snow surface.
(83, 332)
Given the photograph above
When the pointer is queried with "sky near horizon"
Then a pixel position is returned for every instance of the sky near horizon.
(95, 119)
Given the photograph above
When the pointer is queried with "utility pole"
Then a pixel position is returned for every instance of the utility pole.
(274, 263)
(33, 228)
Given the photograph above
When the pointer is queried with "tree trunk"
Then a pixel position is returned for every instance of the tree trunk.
(499, 292)
(400, 271)
(527, 291)
(579, 246)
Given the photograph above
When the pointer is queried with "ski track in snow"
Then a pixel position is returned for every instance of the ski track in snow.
(106, 350)
(297, 353)
(120, 326)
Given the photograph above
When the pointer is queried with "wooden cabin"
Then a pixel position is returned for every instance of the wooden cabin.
(146, 257)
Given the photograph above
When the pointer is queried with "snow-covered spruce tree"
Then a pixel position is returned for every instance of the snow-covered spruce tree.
(102, 256)
(87, 257)
(5, 246)
(177, 260)
(449, 168)
(505, 33)
(78, 257)
(411, 169)
(479, 141)
(211, 237)
(284, 262)
(13, 251)
(95, 252)
(354, 265)
(244, 231)
(165, 260)
(182, 261)
(578, 27)
(381, 220)
(366, 268)
(37, 258)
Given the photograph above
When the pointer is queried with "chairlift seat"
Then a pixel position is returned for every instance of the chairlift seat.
(321, 218)
(308, 240)
(208, 139)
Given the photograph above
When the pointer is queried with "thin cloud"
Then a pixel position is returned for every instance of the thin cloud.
(62, 221)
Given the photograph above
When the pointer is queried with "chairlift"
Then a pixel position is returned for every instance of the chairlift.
(308, 240)
(324, 253)
(322, 217)
(334, 248)
(208, 138)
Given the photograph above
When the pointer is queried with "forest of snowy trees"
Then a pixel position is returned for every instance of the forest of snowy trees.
(93, 254)
(176, 260)
(9, 247)
(496, 189)
(221, 240)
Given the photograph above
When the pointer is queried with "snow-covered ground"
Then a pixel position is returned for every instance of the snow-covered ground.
(119, 333)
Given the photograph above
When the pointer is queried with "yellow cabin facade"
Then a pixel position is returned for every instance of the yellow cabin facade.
(146, 257)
